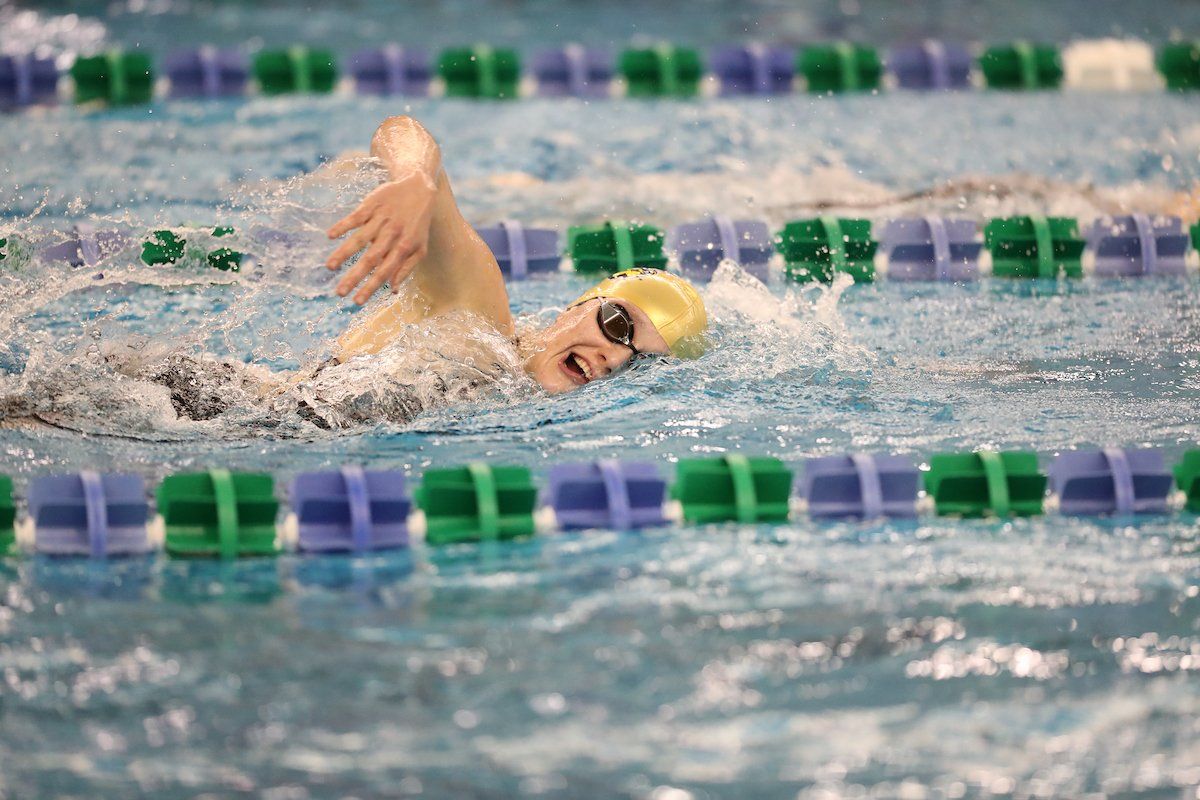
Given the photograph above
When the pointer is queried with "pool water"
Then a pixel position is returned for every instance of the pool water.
(1048, 657)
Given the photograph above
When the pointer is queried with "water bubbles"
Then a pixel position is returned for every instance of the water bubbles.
(670, 793)
(466, 719)
(548, 705)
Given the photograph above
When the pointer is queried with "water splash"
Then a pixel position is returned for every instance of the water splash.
(773, 335)
(128, 343)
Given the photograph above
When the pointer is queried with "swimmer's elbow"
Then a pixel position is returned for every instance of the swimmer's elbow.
(397, 129)
(400, 122)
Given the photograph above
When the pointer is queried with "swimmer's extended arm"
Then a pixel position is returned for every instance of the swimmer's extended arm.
(411, 225)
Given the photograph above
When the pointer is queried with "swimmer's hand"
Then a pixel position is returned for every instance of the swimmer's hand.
(393, 225)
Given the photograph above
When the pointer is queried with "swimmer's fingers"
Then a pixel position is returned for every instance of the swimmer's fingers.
(392, 269)
(356, 218)
(369, 288)
(358, 241)
(370, 260)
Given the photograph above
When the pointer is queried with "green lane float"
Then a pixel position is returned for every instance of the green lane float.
(477, 503)
(8, 514)
(296, 70)
(734, 488)
(219, 513)
(116, 77)
(1022, 65)
(819, 248)
(986, 483)
(168, 247)
(480, 71)
(224, 259)
(16, 252)
(1034, 247)
(840, 67)
(615, 246)
(661, 71)
(163, 247)
(1179, 64)
(1187, 478)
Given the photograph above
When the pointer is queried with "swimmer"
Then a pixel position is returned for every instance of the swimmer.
(410, 228)
(448, 337)
(452, 335)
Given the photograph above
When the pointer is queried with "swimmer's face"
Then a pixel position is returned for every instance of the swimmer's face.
(573, 351)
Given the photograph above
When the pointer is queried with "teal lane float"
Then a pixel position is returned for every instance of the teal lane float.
(228, 515)
(481, 71)
(816, 249)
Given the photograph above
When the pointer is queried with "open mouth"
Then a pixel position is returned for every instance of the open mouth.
(577, 369)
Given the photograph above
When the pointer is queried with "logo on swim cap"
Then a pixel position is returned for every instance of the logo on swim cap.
(671, 303)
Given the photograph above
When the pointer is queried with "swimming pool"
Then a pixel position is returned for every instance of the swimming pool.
(1043, 657)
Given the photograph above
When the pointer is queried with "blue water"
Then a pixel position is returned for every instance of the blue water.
(1048, 657)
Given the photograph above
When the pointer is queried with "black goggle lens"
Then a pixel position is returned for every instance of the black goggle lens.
(616, 324)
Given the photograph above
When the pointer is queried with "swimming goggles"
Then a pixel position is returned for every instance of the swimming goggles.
(616, 324)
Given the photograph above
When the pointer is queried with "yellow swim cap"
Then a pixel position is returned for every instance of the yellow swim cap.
(671, 303)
